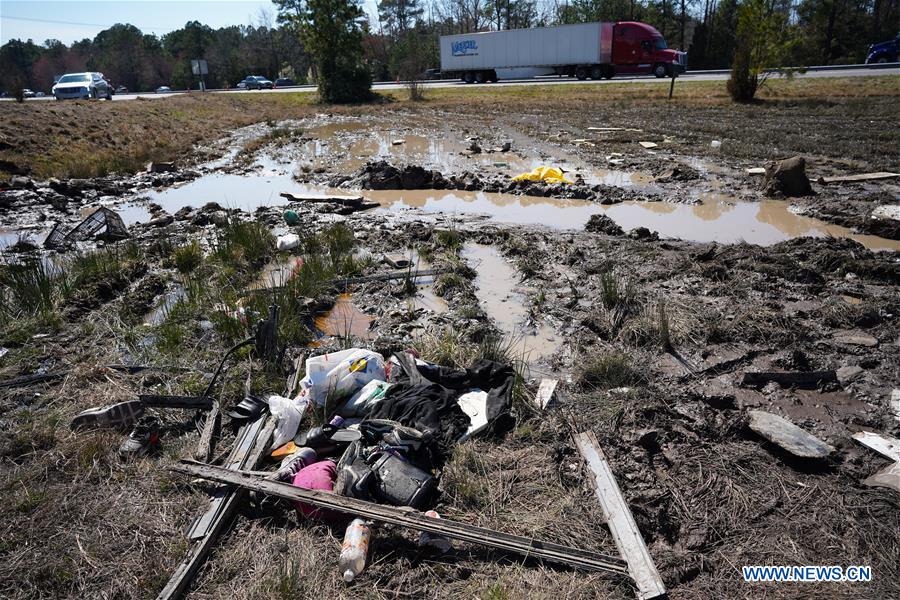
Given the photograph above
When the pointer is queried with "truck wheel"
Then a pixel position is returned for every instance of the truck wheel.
(469, 77)
(581, 73)
(660, 70)
(481, 77)
(596, 72)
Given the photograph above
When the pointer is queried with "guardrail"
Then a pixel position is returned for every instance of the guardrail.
(892, 65)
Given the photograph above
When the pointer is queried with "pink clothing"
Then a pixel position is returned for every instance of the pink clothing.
(317, 476)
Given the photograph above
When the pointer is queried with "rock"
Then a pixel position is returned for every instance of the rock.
(184, 213)
(600, 223)
(642, 233)
(161, 221)
(21, 183)
(506, 147)
(788, 436)
(161, 167)
(414, 177)
(855, 338)
(787, 178)
(847, 374)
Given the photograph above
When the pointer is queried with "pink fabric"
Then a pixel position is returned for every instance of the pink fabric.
(317, 476)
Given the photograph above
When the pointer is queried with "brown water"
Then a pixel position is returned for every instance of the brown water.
(344, 320)
(504, 300)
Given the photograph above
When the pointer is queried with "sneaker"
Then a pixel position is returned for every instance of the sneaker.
(121, 415)
(143, 439)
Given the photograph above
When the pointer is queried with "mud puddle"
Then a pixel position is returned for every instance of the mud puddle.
(716, 219)
(344, 320)
(504, 301)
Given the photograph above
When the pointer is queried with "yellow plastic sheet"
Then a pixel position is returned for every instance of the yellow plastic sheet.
(548, 174)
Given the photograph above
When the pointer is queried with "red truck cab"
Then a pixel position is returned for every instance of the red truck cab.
(640, 48)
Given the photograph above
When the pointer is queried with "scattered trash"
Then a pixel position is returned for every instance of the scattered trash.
(354, 549)
(398, 261)
(341, 374)
(648, 145)
(715, 144)
(121, 415)
(474, 404)
(437, 544)
(142, 440)
(291, 217)
(288, 413)
(545, 393)
(887, 477)
(788, 436)
(363, 401)
(755, 171)
(545, 174)
(287, 242)
(3, 351)
(861, 177)
(102, 223)
(396, 142)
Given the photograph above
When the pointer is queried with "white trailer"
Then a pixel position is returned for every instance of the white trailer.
(583, 50)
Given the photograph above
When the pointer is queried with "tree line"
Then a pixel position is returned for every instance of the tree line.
(336, 39)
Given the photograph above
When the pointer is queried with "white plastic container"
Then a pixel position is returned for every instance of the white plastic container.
(354, 549)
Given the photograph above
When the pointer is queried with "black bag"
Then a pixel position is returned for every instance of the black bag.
(399, 482)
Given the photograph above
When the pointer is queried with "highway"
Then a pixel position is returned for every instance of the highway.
(721, 75)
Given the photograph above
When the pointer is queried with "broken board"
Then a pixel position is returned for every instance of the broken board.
(620, 520)
(406, 517)
(861, 177)
(884, 445)
(545, 393)
(788, 436)
(888, 477)
(648, 145)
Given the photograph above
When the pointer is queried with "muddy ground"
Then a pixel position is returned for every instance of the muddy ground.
(649, 330)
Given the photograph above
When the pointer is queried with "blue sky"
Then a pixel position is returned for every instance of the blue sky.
(72, 20)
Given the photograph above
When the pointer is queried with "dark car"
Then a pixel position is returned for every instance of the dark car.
(256, 82)
(884, 52)
(431, 74)
(284, 82)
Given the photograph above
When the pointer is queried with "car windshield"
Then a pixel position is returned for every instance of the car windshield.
(74, 78)
(660, 43)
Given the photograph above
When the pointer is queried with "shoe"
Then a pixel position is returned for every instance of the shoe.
(144, 438)
(121, 415)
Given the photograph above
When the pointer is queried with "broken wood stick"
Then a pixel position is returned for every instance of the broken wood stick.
(805, 380)
(389, 276)
(620, 520)
(223, 507)
(207, 444)
(29, 379)
(406, 517)
(329, 199)
(860, 177)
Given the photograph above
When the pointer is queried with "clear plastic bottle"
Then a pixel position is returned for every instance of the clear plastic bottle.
(354, 549)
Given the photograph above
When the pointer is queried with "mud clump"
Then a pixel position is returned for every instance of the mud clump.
(381, 175)
(603, 224)
(787, 178)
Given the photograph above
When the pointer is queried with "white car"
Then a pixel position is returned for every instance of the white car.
(81, 85)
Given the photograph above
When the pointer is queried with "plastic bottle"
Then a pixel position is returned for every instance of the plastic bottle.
(354, 549)
(433, 541)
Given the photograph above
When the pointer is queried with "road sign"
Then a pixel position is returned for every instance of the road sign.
(199, 67)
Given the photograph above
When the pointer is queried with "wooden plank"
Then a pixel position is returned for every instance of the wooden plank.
(406, 517)
(186, 571)
(884, 445)
(545, 393)
(860, 177)
(648, 145)
(331, 199)
(788, 436)
(207, 444)
(620, 520)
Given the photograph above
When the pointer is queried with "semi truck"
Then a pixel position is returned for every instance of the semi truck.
(595, 50)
